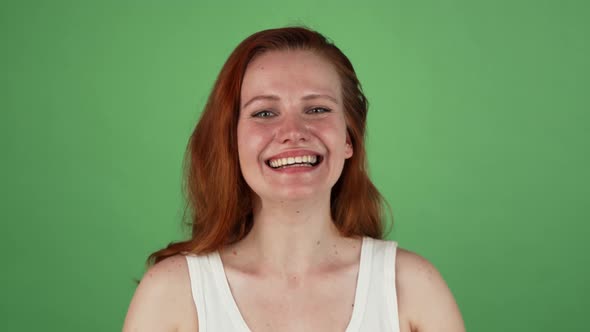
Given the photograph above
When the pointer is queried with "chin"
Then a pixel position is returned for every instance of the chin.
(291, 194)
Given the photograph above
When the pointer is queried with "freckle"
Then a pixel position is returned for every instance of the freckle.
(336, 252)
(296, 211)
(318, 243)
(234, 252)
(353, 305)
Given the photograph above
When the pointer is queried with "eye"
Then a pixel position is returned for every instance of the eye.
(263, 114)
(318, 110)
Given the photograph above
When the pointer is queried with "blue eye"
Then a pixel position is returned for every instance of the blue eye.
(318, 110)
(263, 114)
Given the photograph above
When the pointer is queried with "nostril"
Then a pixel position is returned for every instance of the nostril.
(292, 129)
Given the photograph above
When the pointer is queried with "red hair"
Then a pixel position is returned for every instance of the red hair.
(217, 195)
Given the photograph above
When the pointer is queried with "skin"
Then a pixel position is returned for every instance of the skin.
(293, 271)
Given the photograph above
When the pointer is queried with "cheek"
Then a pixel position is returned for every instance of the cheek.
(251, 141)
(244, 146)
(336, 134)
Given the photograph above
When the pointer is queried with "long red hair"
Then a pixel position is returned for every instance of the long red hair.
(217, 196)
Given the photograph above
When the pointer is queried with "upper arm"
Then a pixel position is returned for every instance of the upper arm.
(425, 296)
(162, 301)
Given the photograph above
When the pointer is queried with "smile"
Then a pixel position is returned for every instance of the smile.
(298, 161)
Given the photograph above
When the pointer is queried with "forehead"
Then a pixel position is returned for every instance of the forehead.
(290, 73)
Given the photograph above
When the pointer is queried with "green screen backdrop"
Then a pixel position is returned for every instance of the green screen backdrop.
(478, 138)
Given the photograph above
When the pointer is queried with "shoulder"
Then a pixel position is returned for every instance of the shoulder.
(424, 296)
(163, 300)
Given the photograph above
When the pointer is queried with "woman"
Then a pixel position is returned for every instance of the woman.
(286, 224)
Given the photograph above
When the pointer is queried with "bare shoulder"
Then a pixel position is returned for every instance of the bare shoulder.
(163, 300)
(423, 295)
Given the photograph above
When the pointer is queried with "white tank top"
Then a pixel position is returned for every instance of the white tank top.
(375, 301)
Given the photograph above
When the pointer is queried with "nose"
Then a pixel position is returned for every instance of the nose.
(292, 129)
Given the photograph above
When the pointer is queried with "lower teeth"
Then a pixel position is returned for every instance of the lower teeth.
(296, 165)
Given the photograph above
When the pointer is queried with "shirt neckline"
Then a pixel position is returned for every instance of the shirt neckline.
(360, 295)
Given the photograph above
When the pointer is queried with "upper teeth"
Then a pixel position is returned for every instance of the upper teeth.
(311, 159)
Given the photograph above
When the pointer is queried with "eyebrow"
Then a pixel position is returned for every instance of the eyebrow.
(275, 98)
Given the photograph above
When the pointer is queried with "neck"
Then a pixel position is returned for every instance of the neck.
(290, 238)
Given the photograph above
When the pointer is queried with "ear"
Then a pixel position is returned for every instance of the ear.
(348, 148)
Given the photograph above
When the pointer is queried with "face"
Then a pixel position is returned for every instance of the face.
(292, 138)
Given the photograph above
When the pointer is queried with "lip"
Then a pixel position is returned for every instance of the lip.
(294, 153)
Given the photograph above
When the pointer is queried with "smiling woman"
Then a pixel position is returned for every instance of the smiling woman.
(304, 120)
(286, 224)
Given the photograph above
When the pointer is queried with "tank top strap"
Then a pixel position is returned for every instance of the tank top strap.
(389, 258)
(194, 263)
(383, 293)
(211, 295)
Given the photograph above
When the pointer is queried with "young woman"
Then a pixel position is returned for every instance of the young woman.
(286, 225)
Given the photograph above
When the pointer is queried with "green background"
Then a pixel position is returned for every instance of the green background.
(478, 138)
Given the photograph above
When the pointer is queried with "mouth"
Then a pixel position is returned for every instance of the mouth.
(311, 160)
